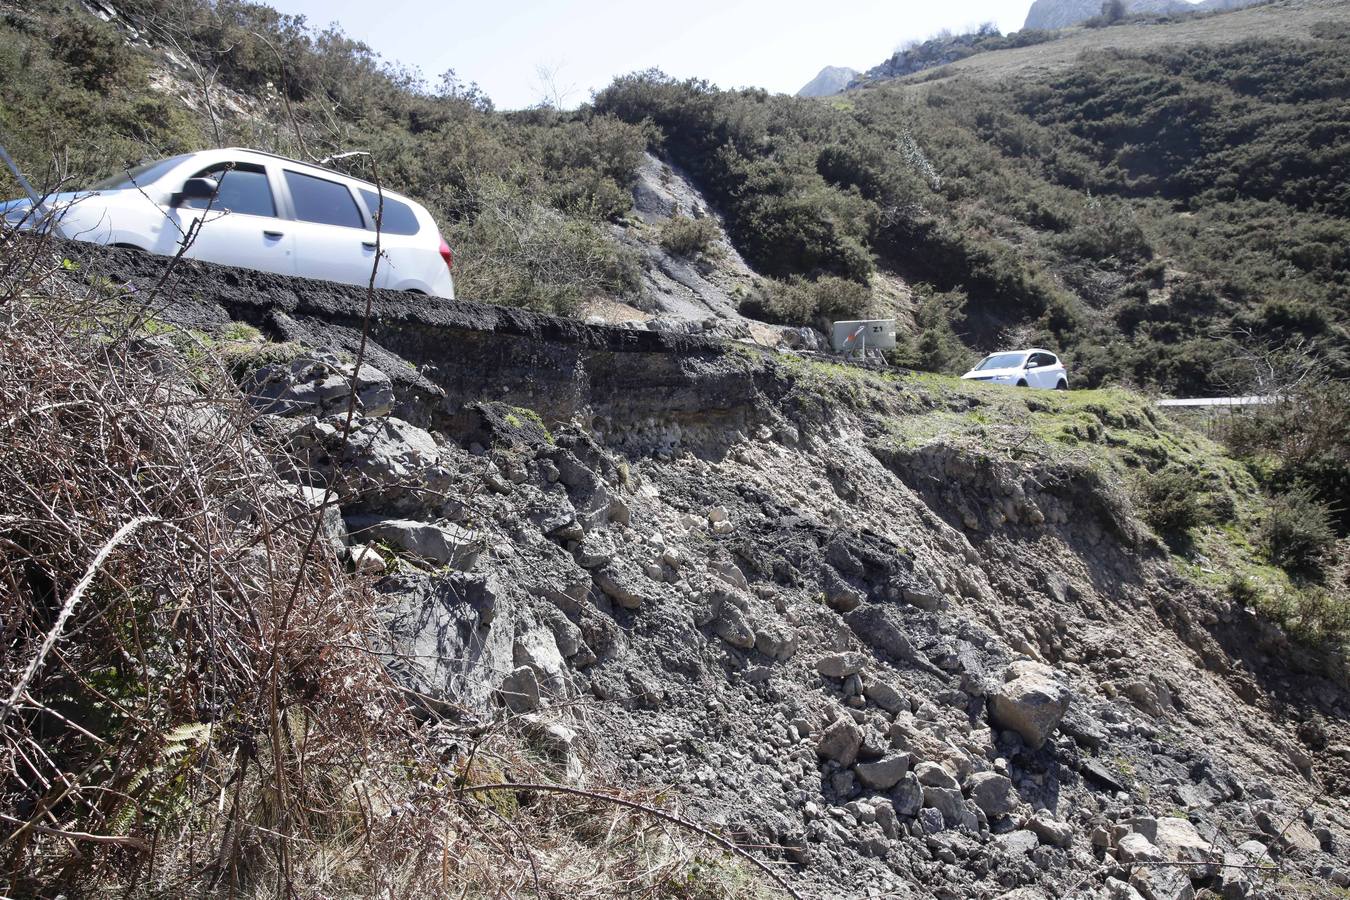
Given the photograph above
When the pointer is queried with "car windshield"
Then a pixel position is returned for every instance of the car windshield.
(140, 176)
(1001, 361)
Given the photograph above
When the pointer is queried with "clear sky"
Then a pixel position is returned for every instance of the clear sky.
(774, 44)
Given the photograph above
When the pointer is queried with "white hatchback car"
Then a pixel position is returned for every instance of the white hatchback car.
(1024, 368)
(258, 211)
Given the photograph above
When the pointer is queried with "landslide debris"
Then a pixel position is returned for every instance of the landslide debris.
(900, 659)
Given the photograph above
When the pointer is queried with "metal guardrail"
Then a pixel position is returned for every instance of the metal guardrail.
(39, 202)
(1220, 401)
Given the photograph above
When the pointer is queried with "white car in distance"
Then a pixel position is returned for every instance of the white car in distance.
(1023, 368)
(258, 211)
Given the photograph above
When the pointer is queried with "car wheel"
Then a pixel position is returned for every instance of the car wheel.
(1022, 383)
(1062, 386)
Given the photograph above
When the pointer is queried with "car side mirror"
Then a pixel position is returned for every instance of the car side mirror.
(1031, 365)
(196, 189)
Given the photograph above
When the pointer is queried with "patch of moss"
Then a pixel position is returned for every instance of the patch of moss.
(482, 770)
(521, 416)
(241, 331)
(715, 878)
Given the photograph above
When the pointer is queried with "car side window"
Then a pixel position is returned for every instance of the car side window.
(1040, 359)
(323, 201)
(243, 189)
(398, 217)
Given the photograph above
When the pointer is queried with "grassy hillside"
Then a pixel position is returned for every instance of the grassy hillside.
(1133, 209)
(1154, 210)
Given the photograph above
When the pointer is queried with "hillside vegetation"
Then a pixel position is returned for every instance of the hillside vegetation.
(1128, 209)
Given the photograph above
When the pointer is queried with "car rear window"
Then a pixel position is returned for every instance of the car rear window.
(323, 201)
(243, 189)
(399, 217)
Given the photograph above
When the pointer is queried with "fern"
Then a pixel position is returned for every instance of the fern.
(177, 742)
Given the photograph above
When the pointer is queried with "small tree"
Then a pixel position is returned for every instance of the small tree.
(1297, 531)
(1169, 501)
(690, 237)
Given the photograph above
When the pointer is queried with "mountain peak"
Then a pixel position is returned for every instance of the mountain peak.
(831, 80)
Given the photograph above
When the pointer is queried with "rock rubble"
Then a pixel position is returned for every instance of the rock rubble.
(910, 670)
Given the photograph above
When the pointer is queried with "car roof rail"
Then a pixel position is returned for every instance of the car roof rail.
(301, 162)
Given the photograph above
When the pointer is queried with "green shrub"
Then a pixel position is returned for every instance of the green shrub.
(798, 301)
(1315, 614)
(1107, 228)
(1171, 501)
(1242, 590)
(690, 237)
(97, 54)
(1303, 441)
(935, 345)
(714, 878)
(516, 250)
(1112, 12)
(1297, 533)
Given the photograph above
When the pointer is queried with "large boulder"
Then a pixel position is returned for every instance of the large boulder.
(841, 665)
(440, 542)
(930, 774)
(885, 773)
(732, 626)
(626, 587)
(776, 640)
(520, 691)
(885, 696)
(444, 640)
(883, 627)
(907, 797)
(537, 649)
(595, 549)
(839, 594)
(992, 793)
(1180, 842)
(1135, 847)
(318, 384)
(581, 471)
(383, 465)
(956, 812)
(1174, 883)
(1049, 830)
(840, 742)
(1031, 701)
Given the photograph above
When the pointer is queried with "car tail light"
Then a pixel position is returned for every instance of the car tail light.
(447, 255)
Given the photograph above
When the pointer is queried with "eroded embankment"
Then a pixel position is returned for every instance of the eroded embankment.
(903, 665)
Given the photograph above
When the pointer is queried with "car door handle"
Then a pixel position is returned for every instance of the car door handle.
(274, 235)
(369, 245)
